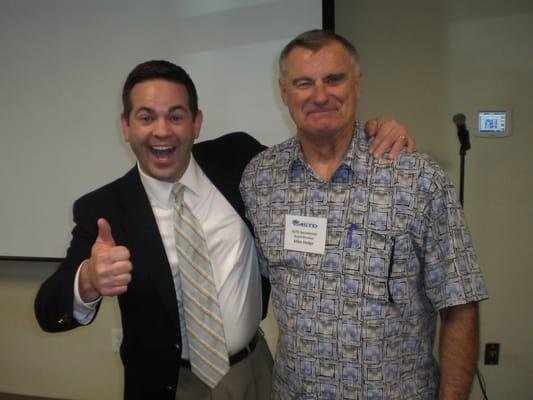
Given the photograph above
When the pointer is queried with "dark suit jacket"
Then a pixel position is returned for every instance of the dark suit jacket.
(151, 346)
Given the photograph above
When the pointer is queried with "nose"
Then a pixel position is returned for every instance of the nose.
(320, 94)
(161, 129)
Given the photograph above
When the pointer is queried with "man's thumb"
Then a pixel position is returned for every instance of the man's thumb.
(104, 232)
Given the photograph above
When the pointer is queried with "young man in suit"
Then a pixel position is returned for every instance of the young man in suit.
(124, 244)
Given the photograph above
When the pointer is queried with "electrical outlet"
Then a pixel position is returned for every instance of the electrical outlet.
(492, 353)
(116, 339)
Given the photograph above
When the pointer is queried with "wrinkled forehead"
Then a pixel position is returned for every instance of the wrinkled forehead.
(328, 51)
(330, 56)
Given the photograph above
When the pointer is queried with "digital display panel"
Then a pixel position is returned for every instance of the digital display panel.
(492, 122)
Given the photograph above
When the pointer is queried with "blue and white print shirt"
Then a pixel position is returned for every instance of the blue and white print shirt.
(358, 322)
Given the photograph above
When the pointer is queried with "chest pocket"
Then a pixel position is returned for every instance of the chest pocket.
(383, 261)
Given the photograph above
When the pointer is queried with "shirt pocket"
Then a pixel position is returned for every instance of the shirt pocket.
(385, 263)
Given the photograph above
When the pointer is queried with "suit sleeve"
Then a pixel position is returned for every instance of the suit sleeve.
(55, 299)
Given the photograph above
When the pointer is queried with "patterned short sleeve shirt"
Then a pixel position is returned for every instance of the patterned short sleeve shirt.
(358, 322)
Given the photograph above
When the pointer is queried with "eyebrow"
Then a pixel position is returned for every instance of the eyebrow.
(152, 111)
(337, 76)
(144, 109)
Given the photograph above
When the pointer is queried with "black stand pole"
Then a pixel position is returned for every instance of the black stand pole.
(464, 139)
(462, 153)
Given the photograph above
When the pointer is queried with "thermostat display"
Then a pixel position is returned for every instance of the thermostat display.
(494, 123)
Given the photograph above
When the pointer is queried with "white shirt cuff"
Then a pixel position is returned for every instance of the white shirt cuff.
(83, 312)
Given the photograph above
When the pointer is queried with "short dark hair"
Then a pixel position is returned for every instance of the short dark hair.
(158, 69)
(314, 40)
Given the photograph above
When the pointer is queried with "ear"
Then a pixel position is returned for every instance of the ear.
(125, 125)
(197, 124)
(282, 90)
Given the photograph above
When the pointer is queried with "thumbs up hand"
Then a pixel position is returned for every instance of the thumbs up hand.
(108, 271)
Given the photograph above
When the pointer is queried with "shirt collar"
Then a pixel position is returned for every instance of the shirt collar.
(357, 151)
(160, 192)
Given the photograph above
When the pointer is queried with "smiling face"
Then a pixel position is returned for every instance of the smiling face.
(161, 129)
(321, 88)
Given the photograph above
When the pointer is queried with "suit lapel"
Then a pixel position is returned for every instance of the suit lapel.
(147, 248)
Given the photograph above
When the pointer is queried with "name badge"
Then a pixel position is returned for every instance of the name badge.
(306, 234)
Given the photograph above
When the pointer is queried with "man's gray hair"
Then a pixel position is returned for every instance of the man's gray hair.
(314, 40)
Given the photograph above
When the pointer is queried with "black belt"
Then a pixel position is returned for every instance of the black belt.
(235, 358)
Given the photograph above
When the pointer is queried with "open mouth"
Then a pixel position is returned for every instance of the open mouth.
(162, 152)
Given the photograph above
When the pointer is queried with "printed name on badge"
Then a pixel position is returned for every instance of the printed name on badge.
(306, 234)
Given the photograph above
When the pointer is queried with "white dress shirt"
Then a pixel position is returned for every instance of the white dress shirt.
(231, 248)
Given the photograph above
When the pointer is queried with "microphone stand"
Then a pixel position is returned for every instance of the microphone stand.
(464, 139)
(462, 153)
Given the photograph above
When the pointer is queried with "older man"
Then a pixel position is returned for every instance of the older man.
(362, 254)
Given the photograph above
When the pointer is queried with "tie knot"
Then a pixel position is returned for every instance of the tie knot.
(178, 191)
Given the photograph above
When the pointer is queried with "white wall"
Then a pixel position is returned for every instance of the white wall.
(424, 61)
(63, 66)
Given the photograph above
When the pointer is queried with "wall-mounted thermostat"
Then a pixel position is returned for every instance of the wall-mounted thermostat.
(494, 122)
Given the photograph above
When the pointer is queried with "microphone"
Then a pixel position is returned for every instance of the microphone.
(462, 133)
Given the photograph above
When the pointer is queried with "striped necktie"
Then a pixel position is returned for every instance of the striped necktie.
(207, 344)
